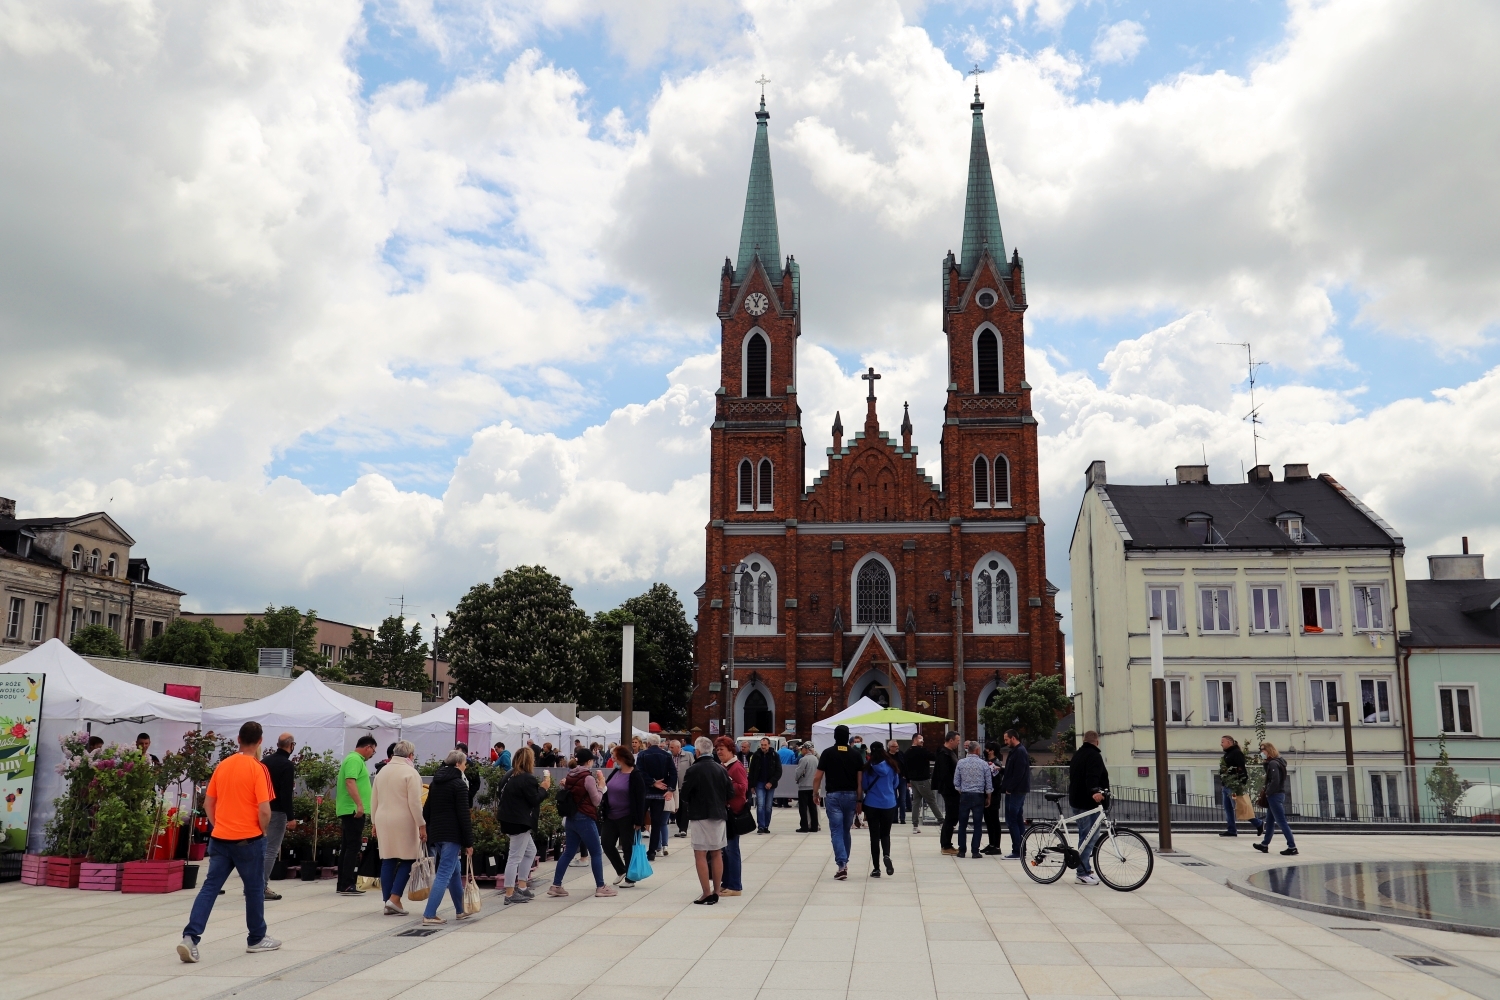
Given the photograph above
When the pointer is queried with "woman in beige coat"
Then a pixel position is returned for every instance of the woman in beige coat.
(396, 822)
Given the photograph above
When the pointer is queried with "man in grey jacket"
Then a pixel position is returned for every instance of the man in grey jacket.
(807, 809)
(683, 760)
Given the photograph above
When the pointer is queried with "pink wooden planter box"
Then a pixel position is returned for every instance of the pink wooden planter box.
(152, 876)
(100, 877)
(62, 873)
(33, 869)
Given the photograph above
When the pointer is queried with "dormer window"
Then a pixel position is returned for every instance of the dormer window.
(78, 557)
(111, 567)
(1201, 526)
(1291, 524)
(94, 561)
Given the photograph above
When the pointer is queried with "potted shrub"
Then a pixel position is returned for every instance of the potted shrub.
(197, 764)
(69, 829)
(490, 843)
(122, 796)
(317, 771)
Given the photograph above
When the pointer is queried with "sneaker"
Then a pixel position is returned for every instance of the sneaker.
(627, 884)
(272, 894)
(664, 852)
(351, 891)
(842, 874)
(875, 873)
(890, 869)
(188, 950)
(1289, 852)
(432, 920)
(679, 835)
(1088, 880)
(267, 943)
(952, 851)
(606, 890)
(514, 899)
(990, 850)
(1010, 857)
(1262, 848)
(527, 892)
(916, 830)
(556, 890)
(620, 879)
(392, 910)
(1227, 833)
(579, 861)
(976, 854)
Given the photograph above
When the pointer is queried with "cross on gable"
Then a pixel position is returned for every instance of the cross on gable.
(870, 377)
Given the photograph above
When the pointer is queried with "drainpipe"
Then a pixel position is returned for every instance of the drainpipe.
(1403, 675)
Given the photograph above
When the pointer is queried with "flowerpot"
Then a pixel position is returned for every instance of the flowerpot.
(34, 869)
(62, 873)
(197, 852)
(164, 847)
(190, 876)
(309, 873)
(98, 877)
(278, 870)
(152, 876)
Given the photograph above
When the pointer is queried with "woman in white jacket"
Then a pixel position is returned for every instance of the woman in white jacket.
(396, 822)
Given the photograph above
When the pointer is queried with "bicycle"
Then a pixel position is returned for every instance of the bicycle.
(1121, 858)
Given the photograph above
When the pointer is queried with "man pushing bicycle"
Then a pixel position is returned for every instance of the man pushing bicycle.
(1088, 784)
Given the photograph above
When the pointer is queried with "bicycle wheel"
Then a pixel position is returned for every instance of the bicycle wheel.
(1123, 860)
(1042, 854)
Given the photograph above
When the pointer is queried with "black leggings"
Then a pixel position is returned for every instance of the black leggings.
(880, 821)
(618, 836)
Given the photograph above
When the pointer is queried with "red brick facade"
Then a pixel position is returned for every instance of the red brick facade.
(804, 645)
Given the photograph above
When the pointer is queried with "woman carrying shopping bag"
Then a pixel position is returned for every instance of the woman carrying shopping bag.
(449, 832)
(623, 812)
(520, 806)
(397, 824)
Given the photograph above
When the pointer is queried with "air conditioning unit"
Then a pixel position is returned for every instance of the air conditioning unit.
(274, 662)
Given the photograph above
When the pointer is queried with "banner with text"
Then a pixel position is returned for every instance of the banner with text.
(20, 710)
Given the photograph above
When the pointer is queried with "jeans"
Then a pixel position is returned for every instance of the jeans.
(617, 837)
(518, 861)
(1276, 816)
(1229, 820)
(970, 807)
(353, 828)
(903, 801)
(733, 877)
(764, 803)
(657, 811)
(1015, 820)
(950, 819)
(840, 809)
(393, 875)
(921, 791)
(248, 857)
(274, 832)
(1086, 826)
(807, 811)
(580, 832)
(450, 873)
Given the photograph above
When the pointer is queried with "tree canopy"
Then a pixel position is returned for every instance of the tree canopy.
(288, 628)
(96, 640)
(202, 644)
(518, 638)
(663, 657)
(1032, 707)
(393, 658)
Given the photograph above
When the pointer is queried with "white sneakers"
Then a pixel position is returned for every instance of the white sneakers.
(267, 943)
(1088, 880)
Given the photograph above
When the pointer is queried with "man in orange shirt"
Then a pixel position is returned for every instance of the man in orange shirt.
(238, 803)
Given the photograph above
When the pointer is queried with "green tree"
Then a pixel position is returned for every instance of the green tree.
(96, 640)
(288, 628)
(201, 644)
(1444, 784)
(1030, 706)
(663, 657)
(518, 638)
(393, 658)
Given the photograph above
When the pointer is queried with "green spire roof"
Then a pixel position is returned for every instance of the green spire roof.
(758, 232)
(981, 214)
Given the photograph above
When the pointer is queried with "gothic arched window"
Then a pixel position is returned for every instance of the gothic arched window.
(872, 594)
(1002, 481)
(757, 365)
(747, 485)
(765, 494)
(981, 482)
(987, 362)
(994, 594)
(763, 598)
(755, 597)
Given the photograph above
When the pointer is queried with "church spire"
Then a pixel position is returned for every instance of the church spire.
(981, 213)
(758, 233)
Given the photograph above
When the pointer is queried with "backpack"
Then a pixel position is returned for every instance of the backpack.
(567, 805)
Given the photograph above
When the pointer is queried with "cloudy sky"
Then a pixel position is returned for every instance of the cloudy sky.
(333, 302)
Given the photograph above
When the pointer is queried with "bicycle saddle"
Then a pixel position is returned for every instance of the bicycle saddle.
(1054, 796)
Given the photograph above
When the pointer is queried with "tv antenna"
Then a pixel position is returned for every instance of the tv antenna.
(400, 602)
(1254, 415)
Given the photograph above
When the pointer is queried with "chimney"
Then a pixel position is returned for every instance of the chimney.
(1262, 474)
(1461, 567)
(1192, 474)
(7, 507)
(1295, 473)
(1466, 545)
(1094, 475)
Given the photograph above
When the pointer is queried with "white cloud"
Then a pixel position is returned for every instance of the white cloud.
(1049, 13)
(1119, 43)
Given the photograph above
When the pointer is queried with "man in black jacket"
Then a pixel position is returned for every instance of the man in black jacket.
(942, 783)
(660, 772)
(1088, 784)
(916, 765)
(283, 780)
(1232, 775)
(765, 772)
(1015, 782)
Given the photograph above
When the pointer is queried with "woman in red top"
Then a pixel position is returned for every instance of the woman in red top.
(739, 780)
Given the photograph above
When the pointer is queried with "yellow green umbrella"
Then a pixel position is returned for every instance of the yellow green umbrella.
(890, 718)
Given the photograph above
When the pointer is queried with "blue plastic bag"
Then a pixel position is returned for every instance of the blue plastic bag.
(640, 867)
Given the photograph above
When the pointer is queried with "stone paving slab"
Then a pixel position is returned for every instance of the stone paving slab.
(942, 928)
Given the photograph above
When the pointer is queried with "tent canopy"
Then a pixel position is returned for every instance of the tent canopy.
(544, 727)
(445, 716)
(79, 691)
(320, 717)
(822, 730)
(433, 733)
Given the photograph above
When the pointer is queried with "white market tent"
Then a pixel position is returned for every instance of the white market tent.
(317, 715)
(434, 733)
(605, 731)
(544, 727)
(822, 730)
(78, 695)
(510, 727)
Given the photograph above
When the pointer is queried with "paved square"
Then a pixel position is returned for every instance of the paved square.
(941, 929)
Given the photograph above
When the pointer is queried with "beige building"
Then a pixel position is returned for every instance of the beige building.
(1280, 596)
(58, 574)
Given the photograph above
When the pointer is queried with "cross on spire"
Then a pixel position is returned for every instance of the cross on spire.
(763, 81)
(870, 377)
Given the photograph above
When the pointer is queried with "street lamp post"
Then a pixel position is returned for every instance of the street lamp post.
(434, 656)
(727, 694)
(1159, 706)
(627, 684)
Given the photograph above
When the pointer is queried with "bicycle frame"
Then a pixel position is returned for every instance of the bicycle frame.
(1060, 828)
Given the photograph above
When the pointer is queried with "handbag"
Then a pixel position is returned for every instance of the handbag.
(472, 902)
(741, 823)
(640, 865)
(1263, 802)
(423, 873)
(1242, 807)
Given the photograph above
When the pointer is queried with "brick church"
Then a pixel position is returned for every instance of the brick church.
(874, 580)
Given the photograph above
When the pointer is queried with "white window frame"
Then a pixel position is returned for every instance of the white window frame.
(13, 615)
(113, 621)
(112, 565)
(1264, 591)
(1318, 703)
(745, 363)
(75, 622)
(96, 617)
(995, 627)
(982, 481)
(1214, 712)
(1152, 609)
(995, 465)
(1390, 789)
(1223, 608)
(855, 623)
(1179, 786)
(1473, 689)
(1332, 590)
(762, 488)
(77, 562)
(39, 621)
(758, 609)
(1390, 700)
(1178, 708)
(1359, 605)
(999, 355)
(1272, 718)
(739, 484)
(1328, 781)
